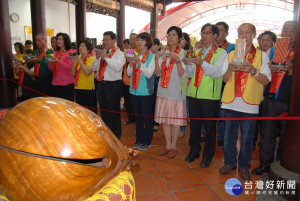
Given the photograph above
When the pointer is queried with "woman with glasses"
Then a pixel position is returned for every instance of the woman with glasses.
(141, 72)
(170, 101)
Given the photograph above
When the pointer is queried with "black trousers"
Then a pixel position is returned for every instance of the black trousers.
(86, 98)
(144, 129)
(127, 102)
(66, 92)
(270, 130)
(203, 108)
(43, 84)
(109, 95)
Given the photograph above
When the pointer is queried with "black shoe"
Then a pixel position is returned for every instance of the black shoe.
(205, 163)
(260, 170)
(221, 144)
(191, 157)
(203, 139)
(128, 122)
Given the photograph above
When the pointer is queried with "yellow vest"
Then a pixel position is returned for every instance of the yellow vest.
(253, 91)
(86, 82)
(19, 56)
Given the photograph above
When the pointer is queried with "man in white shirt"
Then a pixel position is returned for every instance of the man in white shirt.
(109, 65)
(242, 95)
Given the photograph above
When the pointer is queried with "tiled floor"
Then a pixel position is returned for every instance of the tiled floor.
(162, 179)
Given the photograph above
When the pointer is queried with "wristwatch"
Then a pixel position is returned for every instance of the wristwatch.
(255, 72)
(176, 62)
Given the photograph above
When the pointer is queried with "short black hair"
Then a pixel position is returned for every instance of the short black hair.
(74, 45)
(28, 51)
(226, 27)
(214, 28)
(21, 47)
(156, 42)
(177, 29)
(126, 41)
(53, 37)
(67, 40)
(28, 42)
(88, 44)
(270, 33)
(146, 36)
(112, 35)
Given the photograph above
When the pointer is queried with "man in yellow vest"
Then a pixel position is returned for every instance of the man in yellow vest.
(276, 102)
(204, 93)
(241, 98)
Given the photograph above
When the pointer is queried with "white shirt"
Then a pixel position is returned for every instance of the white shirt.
(148, 72)
(239, 104)
(215, 70)
(113, 70)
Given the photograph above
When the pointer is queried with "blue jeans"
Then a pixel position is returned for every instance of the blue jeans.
(142, 105)
(230, 139)
(221, 125)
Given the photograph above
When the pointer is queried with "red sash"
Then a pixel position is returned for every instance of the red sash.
(103, 64)
(225, 45)
(55, 66)
(137, 71)
(167, 70)
(77, 70)
(36, 64)
(21, 75)
(242, 77)
(278, 76)
(199, 71)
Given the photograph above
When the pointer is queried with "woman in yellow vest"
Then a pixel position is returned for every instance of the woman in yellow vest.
(84, 77)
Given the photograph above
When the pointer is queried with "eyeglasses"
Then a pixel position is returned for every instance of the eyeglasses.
(172, 35)
(206, 33)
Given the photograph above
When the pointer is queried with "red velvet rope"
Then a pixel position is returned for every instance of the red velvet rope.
(283, 116)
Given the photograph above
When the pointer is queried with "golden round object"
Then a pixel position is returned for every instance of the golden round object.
(54, 149)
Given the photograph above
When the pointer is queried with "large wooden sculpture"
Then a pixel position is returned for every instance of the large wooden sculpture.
(54, 149)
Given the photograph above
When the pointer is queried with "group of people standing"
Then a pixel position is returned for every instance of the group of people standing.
(159, 83)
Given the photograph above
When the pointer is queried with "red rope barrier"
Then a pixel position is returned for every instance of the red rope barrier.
(283, 116)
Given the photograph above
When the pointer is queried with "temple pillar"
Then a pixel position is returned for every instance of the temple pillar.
(80, 16)
(154, 20)
(38, 18)
(7, 89)
(121, 25)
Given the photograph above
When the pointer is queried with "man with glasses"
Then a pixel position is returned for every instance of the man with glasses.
(228, 47)
(204, 93)
(241, 98)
